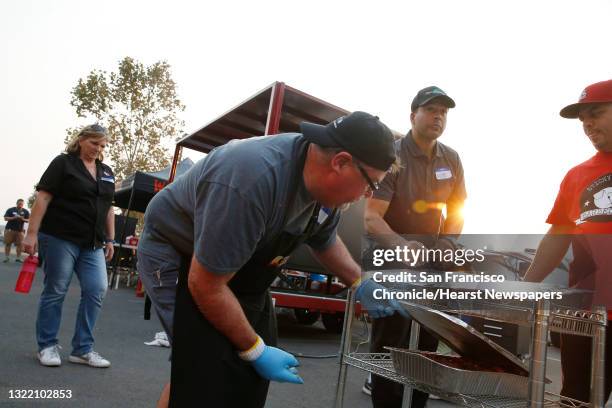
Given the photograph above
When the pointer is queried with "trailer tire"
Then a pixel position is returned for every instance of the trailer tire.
(333, 322)
(305, 316)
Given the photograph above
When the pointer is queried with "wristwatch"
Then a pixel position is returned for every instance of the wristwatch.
(109, 241)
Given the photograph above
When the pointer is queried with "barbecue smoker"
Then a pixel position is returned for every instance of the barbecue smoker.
(480, 373)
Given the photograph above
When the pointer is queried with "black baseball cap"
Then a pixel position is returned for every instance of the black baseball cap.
(360, 134)
(428, 94)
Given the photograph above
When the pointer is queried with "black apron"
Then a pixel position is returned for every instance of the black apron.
(206, 369)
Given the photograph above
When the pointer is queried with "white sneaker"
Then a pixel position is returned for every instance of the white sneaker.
(50, 356)
(367, 386)
(92, 359)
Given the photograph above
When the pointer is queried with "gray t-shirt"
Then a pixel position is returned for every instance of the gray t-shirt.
(234, 201)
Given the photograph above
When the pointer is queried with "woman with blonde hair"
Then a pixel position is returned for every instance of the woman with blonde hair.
(73, 225)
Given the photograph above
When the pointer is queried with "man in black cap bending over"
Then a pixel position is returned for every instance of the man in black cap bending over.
(227, 226)
(411, 201)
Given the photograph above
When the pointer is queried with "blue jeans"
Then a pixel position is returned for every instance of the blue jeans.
(61, 259)
(158, 269)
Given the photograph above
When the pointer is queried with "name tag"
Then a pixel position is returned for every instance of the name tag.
(108, 179)
(443, 173)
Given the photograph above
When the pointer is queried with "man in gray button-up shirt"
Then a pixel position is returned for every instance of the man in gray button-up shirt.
(411, 201)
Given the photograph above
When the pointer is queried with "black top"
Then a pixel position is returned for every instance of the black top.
(422, 186)
(16, 225)
(80, 204)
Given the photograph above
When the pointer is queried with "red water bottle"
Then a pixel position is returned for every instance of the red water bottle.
(139, 289)
(26, 276)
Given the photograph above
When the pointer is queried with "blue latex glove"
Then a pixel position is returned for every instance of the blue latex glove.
(377, 308)
(277, 365)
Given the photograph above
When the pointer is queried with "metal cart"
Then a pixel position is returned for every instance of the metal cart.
(542, 317)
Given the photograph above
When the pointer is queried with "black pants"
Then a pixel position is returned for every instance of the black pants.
(206, 370)
(394, 331)
(576, 366)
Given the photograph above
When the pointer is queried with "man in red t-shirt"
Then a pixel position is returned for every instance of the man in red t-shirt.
(582, 217)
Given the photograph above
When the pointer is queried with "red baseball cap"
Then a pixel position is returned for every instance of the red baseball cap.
(600, 92)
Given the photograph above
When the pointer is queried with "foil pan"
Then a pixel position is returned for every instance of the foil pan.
(464, 339)
(421, 369)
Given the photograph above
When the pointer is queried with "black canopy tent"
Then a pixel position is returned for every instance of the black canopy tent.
(135, 192)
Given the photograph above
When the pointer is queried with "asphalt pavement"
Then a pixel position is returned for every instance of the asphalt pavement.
(138, 372)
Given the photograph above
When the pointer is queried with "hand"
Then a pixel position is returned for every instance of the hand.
(109, 250)
(277, 365)
(448, 242)
(415, 247)
(377, 308)
(30, 244)
(445, 244)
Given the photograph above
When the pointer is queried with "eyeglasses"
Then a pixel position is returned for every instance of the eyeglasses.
(373, 184)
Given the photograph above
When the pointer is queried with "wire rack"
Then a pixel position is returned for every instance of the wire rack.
(576, 321)
(570, 321)
(562, 319)
(381, 364)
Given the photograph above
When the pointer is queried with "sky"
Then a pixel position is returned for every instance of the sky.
(509, 65)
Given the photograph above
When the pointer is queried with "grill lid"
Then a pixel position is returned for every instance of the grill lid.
(464, 339)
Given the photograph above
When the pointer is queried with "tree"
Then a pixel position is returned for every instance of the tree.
(139, 106)
(31, 198)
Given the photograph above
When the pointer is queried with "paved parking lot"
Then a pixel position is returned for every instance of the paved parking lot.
(138, 372)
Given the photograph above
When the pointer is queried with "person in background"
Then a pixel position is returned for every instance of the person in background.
(13, 231)
(72, 225)
(582, 217)
(410, 201)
